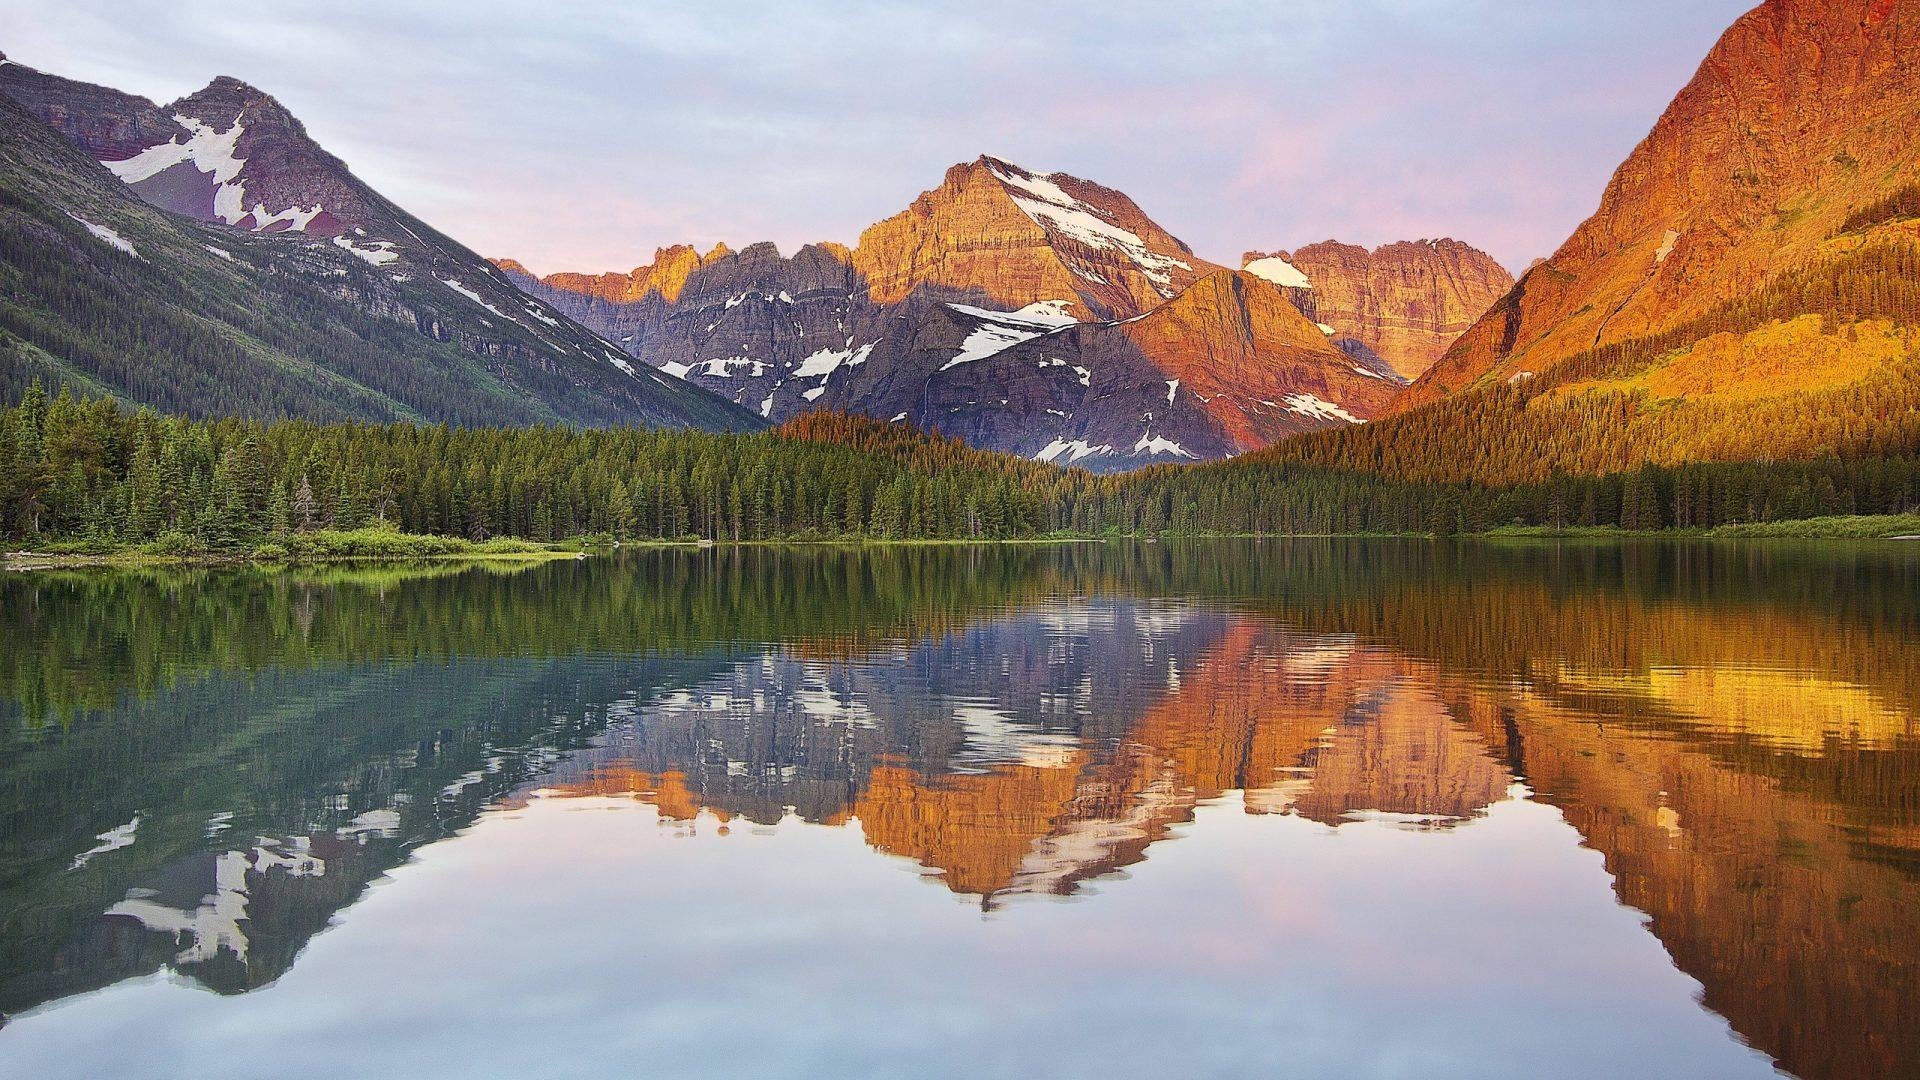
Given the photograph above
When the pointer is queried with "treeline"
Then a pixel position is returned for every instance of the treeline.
(76, 470)
(1903, 203)
(87, 470)
(1290, 499)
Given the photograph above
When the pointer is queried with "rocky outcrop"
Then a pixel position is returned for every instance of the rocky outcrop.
(1803, 113)
(1021, 237)
(1403, 303)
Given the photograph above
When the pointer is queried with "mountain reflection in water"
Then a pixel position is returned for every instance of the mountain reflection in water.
(206, 770)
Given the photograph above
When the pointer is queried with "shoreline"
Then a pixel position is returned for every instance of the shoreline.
(412, 548)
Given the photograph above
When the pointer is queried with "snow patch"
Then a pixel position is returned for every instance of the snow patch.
(1279, 271)
(105, 235)
(1153, 446)
(1311, 406)
(297, 219)
(721, 367)
(455, 285)
(211, 152)
(824, 363)
(1001, 330)
(1051, 208)
(1073, 449)
(112, 840)
(208, 150)
(221, 252)
(1173, 387)
(1047, 314)
(1666, 246)
(378, 253)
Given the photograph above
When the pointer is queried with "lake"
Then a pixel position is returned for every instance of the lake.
(1326, 808)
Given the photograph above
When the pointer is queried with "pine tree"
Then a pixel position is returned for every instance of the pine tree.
(304, 508)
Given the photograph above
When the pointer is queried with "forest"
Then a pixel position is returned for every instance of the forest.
(89, 472)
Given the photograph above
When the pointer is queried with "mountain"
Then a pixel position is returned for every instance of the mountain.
(1403, 303)
(1023, 238)
(1033, 313)
(208, 257)
(1749, 288)
(1801, 121)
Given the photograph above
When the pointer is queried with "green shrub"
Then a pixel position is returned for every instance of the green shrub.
(1867, 527)
(507, 545)
(174, 542)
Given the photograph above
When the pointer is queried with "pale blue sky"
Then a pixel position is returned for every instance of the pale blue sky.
(582, 136)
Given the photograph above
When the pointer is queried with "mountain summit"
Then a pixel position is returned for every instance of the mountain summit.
(1035, 313)
(209, 257)
(1023, 237)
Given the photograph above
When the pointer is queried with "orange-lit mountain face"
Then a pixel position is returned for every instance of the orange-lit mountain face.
(1404, 304)
(1788, 151)
(1022, 238)
(1037, 314)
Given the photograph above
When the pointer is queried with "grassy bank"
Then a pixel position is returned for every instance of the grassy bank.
(1860, 527)
(321, 546)
(390, 545)
(1873, 527)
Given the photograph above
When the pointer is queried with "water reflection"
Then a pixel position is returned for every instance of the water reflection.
(205, 771)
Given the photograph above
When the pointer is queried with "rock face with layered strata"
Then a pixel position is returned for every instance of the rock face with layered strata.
(1022, 237)
(1403, 303)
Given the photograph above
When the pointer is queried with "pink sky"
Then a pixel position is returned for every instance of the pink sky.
(583, 140)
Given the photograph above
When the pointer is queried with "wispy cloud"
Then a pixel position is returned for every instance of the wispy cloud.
(571, 135)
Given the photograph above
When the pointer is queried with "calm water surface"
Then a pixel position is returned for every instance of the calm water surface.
(1315, 809)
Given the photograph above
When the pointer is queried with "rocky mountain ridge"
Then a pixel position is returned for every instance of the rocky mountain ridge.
(1802, 116)
(1034, 313)
(372, 314)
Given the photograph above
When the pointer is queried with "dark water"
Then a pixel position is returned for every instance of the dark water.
(1316, 809)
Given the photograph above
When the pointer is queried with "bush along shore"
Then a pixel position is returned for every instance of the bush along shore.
(379, 540)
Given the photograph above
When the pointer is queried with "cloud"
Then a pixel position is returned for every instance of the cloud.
(572, 136)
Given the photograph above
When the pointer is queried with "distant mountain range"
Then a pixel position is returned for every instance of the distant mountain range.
(1033, 313)
(1041, 315)
(1749, 288)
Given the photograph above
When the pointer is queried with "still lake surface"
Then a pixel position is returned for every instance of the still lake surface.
(1301, 808)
